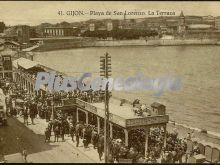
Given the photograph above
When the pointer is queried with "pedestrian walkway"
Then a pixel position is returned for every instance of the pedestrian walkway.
(39, 128)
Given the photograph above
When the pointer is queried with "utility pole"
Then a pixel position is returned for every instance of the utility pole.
(52, 106)
(53, 102)
(105, 70)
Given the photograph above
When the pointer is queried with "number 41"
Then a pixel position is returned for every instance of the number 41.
(60, 12)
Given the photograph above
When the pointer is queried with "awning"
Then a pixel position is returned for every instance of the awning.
(25, 63)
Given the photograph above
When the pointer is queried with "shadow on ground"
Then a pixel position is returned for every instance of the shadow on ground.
(16, 136)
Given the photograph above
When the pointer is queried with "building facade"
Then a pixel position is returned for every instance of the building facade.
(23, 33)
(217, 23)
(20, 33)
(182, 24)
(92, 27)
(109, 26)
(6, 66)
(58, 31)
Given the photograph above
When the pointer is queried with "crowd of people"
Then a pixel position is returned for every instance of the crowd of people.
(65, 124)
(19, 102)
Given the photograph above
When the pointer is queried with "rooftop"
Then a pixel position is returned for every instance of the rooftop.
(25, 63)
(124, 111)
(123, 116)
(200, 26)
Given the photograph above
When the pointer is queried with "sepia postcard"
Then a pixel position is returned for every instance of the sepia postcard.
(109, 82)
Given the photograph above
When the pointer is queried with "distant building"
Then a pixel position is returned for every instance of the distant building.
(154, 23)
(23, 32)
(20, 33)
(109, 26)
(6, 57)
(2, 27)
(12, 45)
(172, 25)
(58, 31)
(7, 66)
(140, 20)
(202, 34)
(84, 26)
(199, 26)
(91, 27)
(182, 24)
(217, 23)
(193, 20)
(102, 28)
(208, 18)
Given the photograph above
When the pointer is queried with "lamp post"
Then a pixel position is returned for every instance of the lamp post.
(105, 70)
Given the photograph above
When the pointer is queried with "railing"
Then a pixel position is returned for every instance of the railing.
(117, 119)
(147, 121)
(68, 101)
(27, 75)
(86, 106)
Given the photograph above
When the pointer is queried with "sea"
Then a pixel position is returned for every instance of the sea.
(197, 102)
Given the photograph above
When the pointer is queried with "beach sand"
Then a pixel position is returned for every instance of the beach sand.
(205, 139)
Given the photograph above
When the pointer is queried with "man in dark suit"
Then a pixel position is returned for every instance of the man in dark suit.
(100, 145)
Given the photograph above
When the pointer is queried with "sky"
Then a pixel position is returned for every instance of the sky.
(36, 12)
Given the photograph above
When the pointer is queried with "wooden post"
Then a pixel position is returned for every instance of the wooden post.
(111, 134)
(147, 130)
(98, 124)
(87, 117)
(165, 136)
(126, 137)
(77, 115)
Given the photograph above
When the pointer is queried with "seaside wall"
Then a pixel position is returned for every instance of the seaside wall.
(119, 42)
(73, 43)
(59, 44)
(173, 42)
(53, 44)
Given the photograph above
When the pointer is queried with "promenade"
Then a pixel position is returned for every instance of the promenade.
(39, 128)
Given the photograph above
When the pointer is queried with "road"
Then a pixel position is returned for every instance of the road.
(17, 136)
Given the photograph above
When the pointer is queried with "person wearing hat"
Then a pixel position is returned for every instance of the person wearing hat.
(94, 138)
(32, 112)
(100, 147)
(47, 135)
(62, 131)
(77, 133)
(135, 102)
(132, 154)
(56, 132)
(72, 131)
(116, 149)
(25, 114)
(196, 150)
(24, 154)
